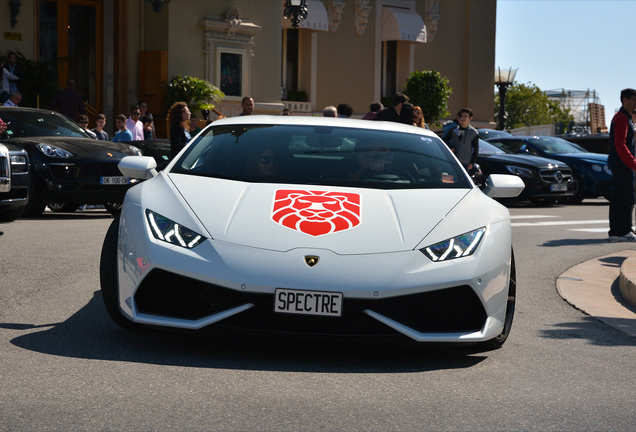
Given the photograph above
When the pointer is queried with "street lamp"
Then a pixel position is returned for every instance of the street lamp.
(157, 4)
(296, 11)
(503, 79)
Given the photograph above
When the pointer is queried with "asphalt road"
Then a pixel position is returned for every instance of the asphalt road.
(64, 365)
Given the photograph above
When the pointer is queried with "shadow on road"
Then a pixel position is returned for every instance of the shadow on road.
(588, 328)
(574, 242)
(79, 215)
(91, 334)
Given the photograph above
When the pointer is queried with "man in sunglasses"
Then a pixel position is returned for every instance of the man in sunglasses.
(83, 122)
(134, 124)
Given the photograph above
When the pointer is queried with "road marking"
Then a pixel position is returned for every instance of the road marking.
(592, 230)
(554, 223)
(531, 216)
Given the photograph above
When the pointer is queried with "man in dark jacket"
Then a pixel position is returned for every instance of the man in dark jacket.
(68, 102)
(392, 113)
(463, 139)
(622, 163)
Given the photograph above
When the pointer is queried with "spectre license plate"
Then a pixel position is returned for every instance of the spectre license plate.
(301, 302)
(559, 187)
(114, 180)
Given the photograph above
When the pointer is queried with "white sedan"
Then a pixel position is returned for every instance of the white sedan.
(313, 227)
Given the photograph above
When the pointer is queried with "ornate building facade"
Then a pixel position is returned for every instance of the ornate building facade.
(353, 51)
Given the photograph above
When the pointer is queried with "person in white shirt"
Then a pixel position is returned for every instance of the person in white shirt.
(133, 124)
(5, 76)
(14, 100)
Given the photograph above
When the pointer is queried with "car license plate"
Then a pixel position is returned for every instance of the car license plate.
(559, 187)
(308, 302)
(114, 180)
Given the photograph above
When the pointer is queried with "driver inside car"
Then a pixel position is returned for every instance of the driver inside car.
(370, 159)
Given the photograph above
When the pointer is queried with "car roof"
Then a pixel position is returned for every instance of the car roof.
(324, 121)
(12, 109)
(524, 137)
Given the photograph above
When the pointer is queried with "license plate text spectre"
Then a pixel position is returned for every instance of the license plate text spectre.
(308, 302)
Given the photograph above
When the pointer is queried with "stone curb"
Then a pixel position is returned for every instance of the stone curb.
(593, 287)
(627, 281)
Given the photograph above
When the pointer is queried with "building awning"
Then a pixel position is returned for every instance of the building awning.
(317, 18)
(402, 25)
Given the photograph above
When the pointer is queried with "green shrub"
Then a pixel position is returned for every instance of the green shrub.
(198, 93)
(430, 91)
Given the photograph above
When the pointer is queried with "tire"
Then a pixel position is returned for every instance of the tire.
(113, 208)
(498, 341)
(108, 277)
(63, 207)
(35, 206)
(11, 214)
(579, 189)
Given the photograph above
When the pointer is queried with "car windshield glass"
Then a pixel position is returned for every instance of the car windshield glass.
(556, 145)
(492, 133)
(323, 155)
(27, 123)
(486, 148)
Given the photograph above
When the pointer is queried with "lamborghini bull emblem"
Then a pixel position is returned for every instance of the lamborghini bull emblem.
(316, 213)
(311, 260)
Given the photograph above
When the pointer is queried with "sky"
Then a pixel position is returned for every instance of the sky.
(570, 44)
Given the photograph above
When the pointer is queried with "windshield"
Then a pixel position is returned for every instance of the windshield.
(485, 148)
(29, 123)
(322, 155)
(492, 133)
(553, 145)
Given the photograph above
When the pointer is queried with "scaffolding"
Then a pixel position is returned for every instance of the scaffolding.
(585, 106)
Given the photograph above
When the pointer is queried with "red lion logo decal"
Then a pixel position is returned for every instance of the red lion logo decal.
(316, 213)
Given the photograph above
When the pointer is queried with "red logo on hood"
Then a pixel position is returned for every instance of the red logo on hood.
(316, 212)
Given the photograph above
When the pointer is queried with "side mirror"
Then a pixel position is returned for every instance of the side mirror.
(139, 167)
(503, 186)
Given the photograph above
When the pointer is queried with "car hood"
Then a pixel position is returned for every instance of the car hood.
(535, 161)
(283, 217)
(80, 147)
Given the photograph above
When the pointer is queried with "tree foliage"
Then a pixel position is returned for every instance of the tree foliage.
(198, 93)
(430, 91)
(528, 105)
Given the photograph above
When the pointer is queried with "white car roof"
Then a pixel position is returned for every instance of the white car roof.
(325, 121)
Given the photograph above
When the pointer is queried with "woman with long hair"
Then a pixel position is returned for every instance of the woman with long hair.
(407, 114)
(419, 117)
(179, 123)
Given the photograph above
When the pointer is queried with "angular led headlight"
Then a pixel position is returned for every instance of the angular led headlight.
(519, 171)
(456, 247)
(53, 151)
(171, 232)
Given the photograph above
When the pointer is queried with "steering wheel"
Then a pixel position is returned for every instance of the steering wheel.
(392, 175)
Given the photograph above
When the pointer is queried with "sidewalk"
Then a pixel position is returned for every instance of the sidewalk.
(599, 288)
